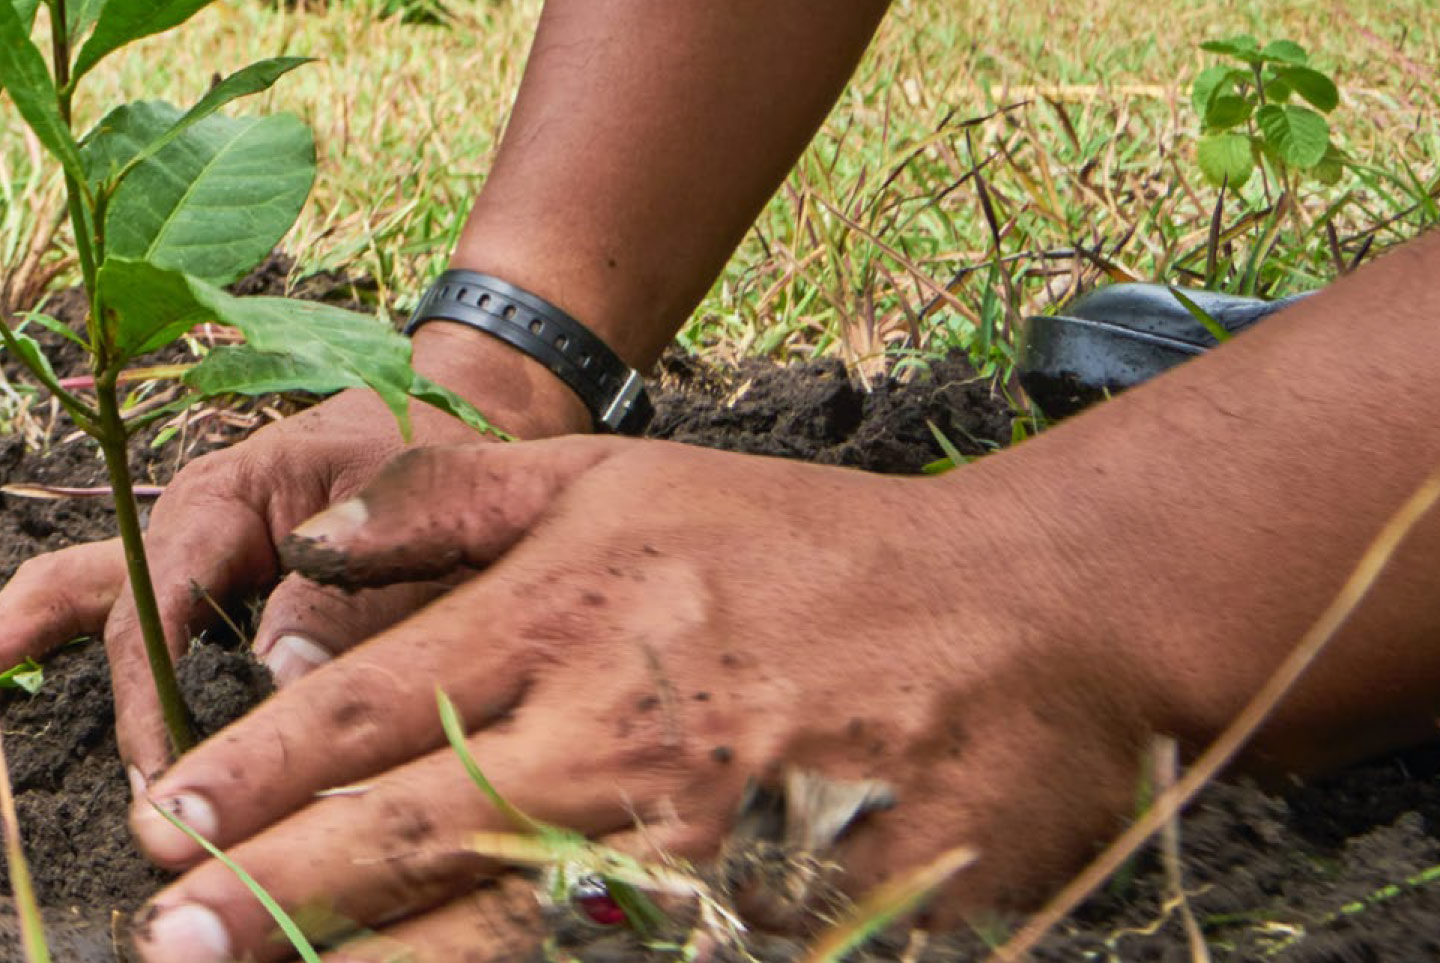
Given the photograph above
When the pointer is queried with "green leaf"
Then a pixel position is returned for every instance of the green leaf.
(1331, 167)
(1243, 47)
(28, 675)
(290, 345)
(1314, 86)
(253, 79)
(1228, 110)
(25, 10)
(214, 200)
(438, 396)
(1285, 52)
(1298, 134)
(322, 338)
(121, 21)
(34, 356)
(24, 75)
(240, 369)
(152, 308)
(1207, 84)
(54, 325)
(1226, 158)
(82, 15)
(1277, 91)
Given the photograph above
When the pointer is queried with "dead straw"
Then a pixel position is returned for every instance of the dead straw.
(32, 930)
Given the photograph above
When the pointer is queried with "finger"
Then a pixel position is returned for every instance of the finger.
(499, 923)
(433, 509)
(382, 852)
(357, 716)
(305, 624)
(53, 598)
(207, 536)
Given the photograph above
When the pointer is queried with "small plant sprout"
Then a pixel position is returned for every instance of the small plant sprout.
(1249, 112)
(28, 675)
(167, 205)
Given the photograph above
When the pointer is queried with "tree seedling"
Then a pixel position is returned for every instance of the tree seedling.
(167, 205)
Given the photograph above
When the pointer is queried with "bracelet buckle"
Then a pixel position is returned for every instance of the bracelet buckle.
(545, 333)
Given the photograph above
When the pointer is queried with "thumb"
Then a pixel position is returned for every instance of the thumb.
(432, 510)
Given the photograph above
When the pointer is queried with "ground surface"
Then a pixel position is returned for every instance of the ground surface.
(1258, 867)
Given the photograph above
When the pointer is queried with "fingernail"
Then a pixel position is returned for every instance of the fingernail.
(163, 841)
(335, 522)
(138, 785)
(188, 933)
(293, 656)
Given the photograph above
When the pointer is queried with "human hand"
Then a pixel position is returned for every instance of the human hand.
(220, 519)
(654, 626)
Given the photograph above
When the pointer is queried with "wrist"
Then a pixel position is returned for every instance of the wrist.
(515, 392)
(632, 311)
(1038, 551)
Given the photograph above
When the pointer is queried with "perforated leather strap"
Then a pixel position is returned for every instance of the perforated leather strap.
(612, 390)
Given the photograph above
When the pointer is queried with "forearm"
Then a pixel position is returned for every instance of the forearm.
(646, 137)
(1208, 518)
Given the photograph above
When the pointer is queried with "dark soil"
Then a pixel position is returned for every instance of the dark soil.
(1258, 866)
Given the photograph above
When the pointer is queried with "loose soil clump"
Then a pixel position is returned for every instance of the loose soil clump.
(1347, 858)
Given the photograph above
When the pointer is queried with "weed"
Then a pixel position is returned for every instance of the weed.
(164, 206)
(1247, 114)
(28, 675)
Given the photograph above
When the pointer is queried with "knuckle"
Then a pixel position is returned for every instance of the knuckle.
(204, 478)
(35, 569)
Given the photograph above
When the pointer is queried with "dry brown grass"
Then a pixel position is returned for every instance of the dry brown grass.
(880, 238)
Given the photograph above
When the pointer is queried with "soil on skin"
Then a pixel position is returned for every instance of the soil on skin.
(1257, 865)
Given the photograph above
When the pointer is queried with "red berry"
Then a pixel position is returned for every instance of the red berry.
(592, 897)
(602, 909)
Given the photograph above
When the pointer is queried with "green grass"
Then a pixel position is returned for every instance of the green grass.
(878, 248)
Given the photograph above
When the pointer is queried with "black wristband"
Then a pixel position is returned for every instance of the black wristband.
(612, 390)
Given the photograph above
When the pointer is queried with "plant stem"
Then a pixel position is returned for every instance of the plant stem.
(112, 440)
(74, 193)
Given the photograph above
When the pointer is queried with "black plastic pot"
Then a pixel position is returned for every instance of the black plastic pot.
(1116, 337)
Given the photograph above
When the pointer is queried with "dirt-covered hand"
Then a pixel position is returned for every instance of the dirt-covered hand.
(218, 524)
(655, 627)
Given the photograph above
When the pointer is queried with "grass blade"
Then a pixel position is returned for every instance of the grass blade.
(288, 926)
(1216, 329)
(32, 929)
(455, 732)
